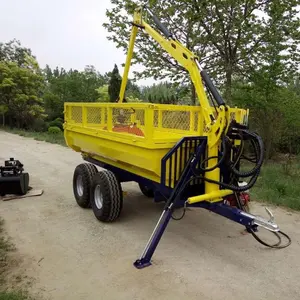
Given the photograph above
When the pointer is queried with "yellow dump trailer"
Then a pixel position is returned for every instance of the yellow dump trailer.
(186, 156)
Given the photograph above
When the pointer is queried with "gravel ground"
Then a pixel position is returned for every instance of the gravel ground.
(71, 255)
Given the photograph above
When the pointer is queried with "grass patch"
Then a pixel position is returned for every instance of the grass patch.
(279, 184)
(13, 296)
(5, 248)
(53, 138)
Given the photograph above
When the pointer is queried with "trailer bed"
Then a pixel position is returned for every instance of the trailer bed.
(131, 136)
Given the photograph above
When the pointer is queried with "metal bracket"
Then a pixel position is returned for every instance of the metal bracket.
(260, 221)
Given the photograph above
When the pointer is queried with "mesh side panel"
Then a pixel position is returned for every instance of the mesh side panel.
(232, 116)
(121, 115)
(94, 115)
(155, 118)
(196, 116)
(140, 116)
(76, 114)
(176, 120)
(128, 121)
(105, 115)
(128, 116)
(204, 124)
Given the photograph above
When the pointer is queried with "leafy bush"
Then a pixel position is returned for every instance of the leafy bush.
(59, 120)
(54, 130)
(39, 125)
(56, 123)
(131, 99)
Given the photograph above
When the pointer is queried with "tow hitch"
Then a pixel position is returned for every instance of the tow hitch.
(269, 225)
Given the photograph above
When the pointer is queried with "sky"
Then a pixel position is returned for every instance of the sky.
(63, 33)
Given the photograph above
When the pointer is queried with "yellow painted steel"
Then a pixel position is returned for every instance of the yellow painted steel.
(93, 133)
(136, 136)
(128, 60)
(213, 196)
(89, 129)
(180, 53)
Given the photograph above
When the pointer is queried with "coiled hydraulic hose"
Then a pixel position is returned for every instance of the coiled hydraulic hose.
(258, 146)
(277, 234)
(277, 245)
(212, 157)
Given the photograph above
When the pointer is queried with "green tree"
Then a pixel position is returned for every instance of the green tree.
(132, 90)
(296, 85)
(20, 94)
(290, 126)
(21, 85)
(103, 95)
(114, 84)
(70, 86)
(267, 92)
(3, 111)
(13, 51)
(226, 35)
(166, 93)
(54, 107)
(91, 81)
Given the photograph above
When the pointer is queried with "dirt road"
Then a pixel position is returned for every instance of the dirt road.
(71, 255)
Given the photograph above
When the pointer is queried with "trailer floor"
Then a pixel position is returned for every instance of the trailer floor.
(70, 255)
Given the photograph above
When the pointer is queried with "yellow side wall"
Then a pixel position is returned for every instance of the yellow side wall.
(89, 128)
(139, 160)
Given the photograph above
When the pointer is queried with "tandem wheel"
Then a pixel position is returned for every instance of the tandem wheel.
(147, 191)
(106, 196)
(82, 179)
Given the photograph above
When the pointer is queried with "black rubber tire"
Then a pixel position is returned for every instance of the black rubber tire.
(23, 186)
(87, 172)
(148, 192)
(106, 183)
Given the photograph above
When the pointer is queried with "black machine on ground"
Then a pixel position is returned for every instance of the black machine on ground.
(13, 179)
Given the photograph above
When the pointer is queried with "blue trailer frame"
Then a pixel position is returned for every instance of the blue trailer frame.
(191, 152)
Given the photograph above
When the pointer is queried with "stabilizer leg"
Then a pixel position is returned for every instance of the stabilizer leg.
(164, 219)
(145, 259)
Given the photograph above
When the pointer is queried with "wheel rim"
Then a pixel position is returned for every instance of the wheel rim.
(79, 185)
(98, 197)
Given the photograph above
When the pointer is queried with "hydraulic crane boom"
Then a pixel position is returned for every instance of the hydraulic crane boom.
(215, 126)
(180, 53)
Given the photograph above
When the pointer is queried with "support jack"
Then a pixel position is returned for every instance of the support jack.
(145, 259)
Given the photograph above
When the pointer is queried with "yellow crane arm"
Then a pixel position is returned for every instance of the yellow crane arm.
(215, 126)
(180, 53)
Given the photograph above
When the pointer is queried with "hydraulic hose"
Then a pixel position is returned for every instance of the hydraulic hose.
(212, 88)
(277, 245)
(258, 146)
(234, 187)
(259, 153)
(212, 157)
